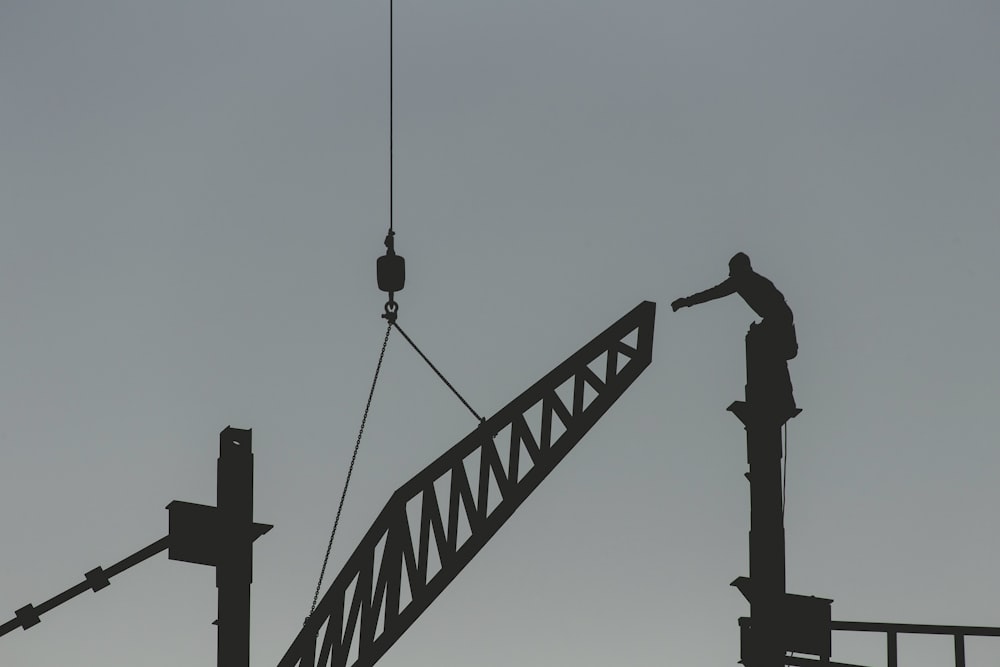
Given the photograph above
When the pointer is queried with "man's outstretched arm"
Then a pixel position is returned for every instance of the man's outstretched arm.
(725, 288)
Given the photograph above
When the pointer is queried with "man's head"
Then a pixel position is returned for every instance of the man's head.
(740, 263)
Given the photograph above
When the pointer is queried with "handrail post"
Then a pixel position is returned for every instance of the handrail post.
(959, 650)
(891, 659)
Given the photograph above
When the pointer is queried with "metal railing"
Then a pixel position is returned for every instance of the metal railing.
(893, 630)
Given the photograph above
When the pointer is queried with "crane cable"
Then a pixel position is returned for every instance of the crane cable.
(391, 88)
(393, 275)
(394, 267)
(391, 311)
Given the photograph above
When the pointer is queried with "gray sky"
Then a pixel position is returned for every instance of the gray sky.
(194, 194)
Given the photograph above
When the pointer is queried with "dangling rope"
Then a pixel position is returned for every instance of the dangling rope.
(784, 474)
(350, 469)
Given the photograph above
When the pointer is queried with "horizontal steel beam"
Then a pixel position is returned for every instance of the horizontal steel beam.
(915, 629)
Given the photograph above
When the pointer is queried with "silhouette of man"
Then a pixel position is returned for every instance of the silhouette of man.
(773, 340)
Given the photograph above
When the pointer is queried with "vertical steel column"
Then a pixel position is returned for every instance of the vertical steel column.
(767, 531)
(235, 555)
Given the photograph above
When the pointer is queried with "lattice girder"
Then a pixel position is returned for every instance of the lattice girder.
(366, 608)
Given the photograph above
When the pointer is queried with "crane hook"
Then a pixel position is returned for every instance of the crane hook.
(391, 310)
(391, 270)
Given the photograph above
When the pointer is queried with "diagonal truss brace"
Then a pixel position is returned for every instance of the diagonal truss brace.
(420, 542)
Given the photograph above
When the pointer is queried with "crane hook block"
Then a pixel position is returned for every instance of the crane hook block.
(391, 268)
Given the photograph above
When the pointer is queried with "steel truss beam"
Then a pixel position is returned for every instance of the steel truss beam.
(421, 541)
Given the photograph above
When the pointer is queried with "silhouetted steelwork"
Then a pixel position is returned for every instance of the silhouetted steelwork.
(765, 636)
(799, 661)
(778, 621)
(222, 537)
(893, 630)
(393, 575)
(98, 578)
(802, 623)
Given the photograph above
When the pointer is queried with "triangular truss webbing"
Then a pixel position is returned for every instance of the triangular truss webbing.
(435, 523)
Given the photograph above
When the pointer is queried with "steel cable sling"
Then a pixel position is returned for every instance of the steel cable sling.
(391, 275)
(361, 431)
